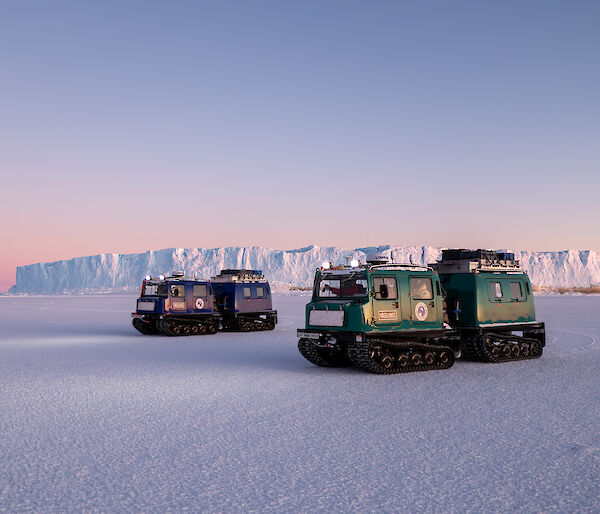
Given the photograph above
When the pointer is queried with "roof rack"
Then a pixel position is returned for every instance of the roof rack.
(182, 277)
(399, 265)
(475, 261)
(239, 275)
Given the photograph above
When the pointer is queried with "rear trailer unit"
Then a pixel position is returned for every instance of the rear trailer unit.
(244, 300)
(490, 303)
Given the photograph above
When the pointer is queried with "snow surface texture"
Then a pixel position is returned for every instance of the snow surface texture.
(97, 417)
(124, 272)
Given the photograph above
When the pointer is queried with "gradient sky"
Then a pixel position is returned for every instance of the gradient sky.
(128, 126)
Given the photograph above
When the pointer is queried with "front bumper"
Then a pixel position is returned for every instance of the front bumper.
(328, 338)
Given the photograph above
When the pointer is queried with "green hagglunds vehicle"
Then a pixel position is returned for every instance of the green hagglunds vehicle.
(395, 318)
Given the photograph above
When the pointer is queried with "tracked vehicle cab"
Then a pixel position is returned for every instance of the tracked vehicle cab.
(176, 305)
(383, 317)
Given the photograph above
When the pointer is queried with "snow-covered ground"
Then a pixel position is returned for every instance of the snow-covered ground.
(94, 416)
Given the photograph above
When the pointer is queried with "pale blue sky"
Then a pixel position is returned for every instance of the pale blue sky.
(127, 126)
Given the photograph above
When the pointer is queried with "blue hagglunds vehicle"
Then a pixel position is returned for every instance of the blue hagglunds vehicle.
(179, 305)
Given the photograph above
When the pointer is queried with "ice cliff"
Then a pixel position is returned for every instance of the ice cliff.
(124, 272)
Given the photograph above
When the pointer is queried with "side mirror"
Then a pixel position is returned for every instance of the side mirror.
(383, 291)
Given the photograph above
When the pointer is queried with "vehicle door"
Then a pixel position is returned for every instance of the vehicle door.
(386, 304)
(200, 301)
(423, 311)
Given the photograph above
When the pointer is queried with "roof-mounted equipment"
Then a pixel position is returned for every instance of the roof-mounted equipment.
(239, 275)
(473, 261)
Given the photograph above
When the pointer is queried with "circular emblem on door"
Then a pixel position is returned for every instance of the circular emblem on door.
(421, 311)
(199, 303)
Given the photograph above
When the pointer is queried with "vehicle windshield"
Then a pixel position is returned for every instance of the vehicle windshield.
(342, 286)
(155, 289)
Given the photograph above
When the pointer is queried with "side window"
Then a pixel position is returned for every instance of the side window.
(247, 292)
(421, 288)
(200, 291)
(178, 290)
(385, 288)
(516, 290)
(260, 292)
(495, 290)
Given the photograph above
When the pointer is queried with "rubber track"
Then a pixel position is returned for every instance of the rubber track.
(359, 354)
(144, 327)
(316, 355)
(476, 348)
(255, 326)
(166, 328)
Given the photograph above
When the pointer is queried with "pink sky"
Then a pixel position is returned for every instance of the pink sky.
(473, 127)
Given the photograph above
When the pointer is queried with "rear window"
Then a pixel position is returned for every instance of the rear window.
(247, 292)
(200, 291)
(260, 292)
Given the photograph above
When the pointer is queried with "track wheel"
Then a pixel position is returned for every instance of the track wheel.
(416, 359)
(186, 330)
(177, 330)
(515, 352)
(506, 351)
(387, 361)
(375, 352)
(536, 349)
(403, 360)
(211, 329)
(429, 358)
(524, 349)
(194, 329)
(444, 357)
(495, 351)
